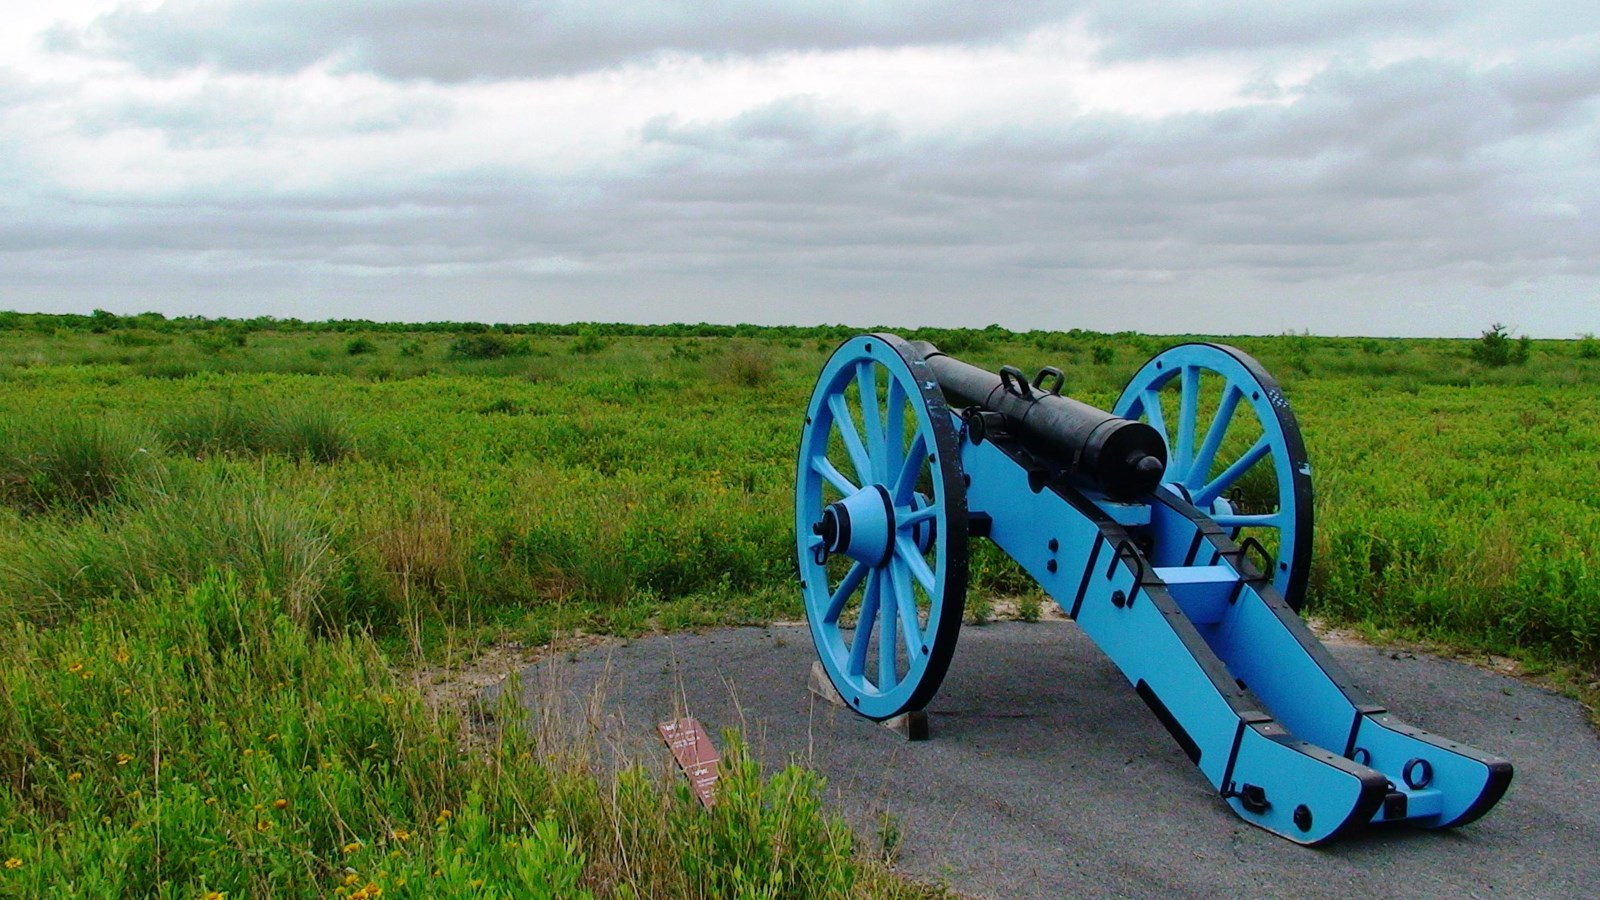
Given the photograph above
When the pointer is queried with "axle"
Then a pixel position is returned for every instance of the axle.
(1118, 456)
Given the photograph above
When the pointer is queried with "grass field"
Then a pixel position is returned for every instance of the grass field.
(201, 518)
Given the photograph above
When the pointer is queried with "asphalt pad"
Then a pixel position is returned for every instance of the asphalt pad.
(1046, 776)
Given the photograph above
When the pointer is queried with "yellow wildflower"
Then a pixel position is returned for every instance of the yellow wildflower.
(214, 895)
(351, 879)
(122, 657)
(123, 759)
(402, 835)
(74, 777)
(352, 847)
(263, 825)
(280, 803)
(444, 816)
(211, 801)
(13, 863)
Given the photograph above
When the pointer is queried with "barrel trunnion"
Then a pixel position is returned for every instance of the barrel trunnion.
(892, 477)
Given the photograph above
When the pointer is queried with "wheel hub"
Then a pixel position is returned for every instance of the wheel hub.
(861, 526)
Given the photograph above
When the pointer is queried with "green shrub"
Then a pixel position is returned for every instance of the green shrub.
(219, 340)
(746, 366)
(589, 342)
(358, 346)
(487, 345)
(1588, 347)
(1496, 348)
(138, 339)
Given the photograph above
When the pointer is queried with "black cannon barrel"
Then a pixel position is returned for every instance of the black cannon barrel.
(1122, 457)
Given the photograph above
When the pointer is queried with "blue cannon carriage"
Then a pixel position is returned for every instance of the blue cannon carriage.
(1175, 530)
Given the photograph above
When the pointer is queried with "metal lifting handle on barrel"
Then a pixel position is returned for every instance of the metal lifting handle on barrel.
(1120, 457)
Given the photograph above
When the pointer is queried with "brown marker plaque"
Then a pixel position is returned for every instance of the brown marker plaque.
(696, 755)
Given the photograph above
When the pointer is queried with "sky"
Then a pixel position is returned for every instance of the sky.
(1343, 167)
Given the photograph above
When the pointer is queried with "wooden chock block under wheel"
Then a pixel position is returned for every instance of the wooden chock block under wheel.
(912, 725)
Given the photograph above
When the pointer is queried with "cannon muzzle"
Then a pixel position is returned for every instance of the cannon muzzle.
(1121, 457)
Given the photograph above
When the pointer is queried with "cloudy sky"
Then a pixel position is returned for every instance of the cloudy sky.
(1409, 167)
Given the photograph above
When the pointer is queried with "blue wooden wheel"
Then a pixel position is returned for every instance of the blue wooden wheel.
(1248, 467)
(881, 526)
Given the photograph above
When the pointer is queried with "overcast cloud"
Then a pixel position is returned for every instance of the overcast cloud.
(1343, 167)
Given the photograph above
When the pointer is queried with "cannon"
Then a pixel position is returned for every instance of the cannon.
(1174, 529)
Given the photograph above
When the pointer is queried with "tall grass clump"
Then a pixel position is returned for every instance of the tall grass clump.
(200, 523)
(232, 427)
(412, 544)
(74, 463)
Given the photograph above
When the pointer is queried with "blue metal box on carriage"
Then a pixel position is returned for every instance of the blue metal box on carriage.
(1175, 530)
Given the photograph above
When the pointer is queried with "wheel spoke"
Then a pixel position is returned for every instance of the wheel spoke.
(867, 381)
(841, 596)
(1188, 412)
(1197, 473)
(1222, 482)
(907, 552)
(859, 640)
(1151, 400)
(919, 515)
(887, 637)
(894, 427)
(824, 466)
(915, 643)
(907, 477)
(852, 438)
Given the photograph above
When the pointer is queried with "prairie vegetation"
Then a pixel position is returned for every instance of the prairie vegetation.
(199, 518)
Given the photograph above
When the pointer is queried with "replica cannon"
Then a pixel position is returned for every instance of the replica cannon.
(1175, 530)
